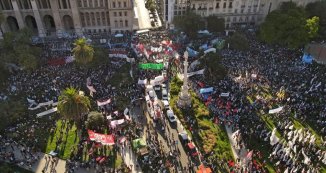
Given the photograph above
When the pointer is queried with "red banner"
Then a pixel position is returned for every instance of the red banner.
(102, 138)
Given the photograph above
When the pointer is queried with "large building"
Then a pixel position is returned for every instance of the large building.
(55, 17)
(235, 12)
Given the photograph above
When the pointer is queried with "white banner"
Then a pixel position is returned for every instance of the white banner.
(142, 82)
(225, 94)
(273, 111)
(273, 139)
(47, 112)
(91, 88)
(117, 122)
(210, 50)
(102, 103)
(196, 72)
(41, 105)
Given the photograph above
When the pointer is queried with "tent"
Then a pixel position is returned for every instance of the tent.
(307, 58)
(118, 35)
(138, 143)
(191, 52)
(203, 32)
(206, 90)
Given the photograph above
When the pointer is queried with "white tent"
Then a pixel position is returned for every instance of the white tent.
(118, 35)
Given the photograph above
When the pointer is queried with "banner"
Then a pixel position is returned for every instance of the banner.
(224, 94)
(102, 103)
(116, 122)
(210, 50)
(273, 111)
(91, 88)
(273, 139)
(206, 90)
(102, 138)
(151, 66)
(41, 105)
(47, 112)
(142, 82)
(196, 72)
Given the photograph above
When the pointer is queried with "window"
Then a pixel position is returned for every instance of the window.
(120, 13)
(113, 4)
(230, 5)
(103, 18)
(126, 23)
(106, 3)
(108, 18)
(115, 23)
(126, 13)
(224, 5)
(115, 14)
(82, 18)
(98, 19)
(93, 18)
(79, 3)
(217, 5)
(121, 23)
(85, 3)
(119, 4)
(64, 4)
(88, 19)
(95, 3)
(236, 11)
(91, 3)
(234, 19)
(124, 4)
(101, 3)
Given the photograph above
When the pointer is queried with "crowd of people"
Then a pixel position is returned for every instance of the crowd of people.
(262, 79)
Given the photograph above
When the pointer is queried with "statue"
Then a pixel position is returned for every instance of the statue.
(184, 100)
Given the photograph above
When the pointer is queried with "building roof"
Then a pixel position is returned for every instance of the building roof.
(318, 52)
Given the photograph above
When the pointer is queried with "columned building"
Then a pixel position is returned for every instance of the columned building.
(46, 17)
(235, 12)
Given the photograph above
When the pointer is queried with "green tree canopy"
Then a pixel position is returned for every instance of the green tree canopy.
(288, 26)
(83, 52)
(101, 56)
(214, 70)
(215, 24)
(318, 9)
(16, 48)
(95, 121)
(150, 5)
(238, 42)
(73, 106)
(190, 23)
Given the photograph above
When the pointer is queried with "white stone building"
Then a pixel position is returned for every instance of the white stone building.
(235, 12)
(47, 17)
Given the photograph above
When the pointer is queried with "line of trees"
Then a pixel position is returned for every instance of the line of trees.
(291, 26)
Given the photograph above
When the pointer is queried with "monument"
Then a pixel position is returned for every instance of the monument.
(184, 100)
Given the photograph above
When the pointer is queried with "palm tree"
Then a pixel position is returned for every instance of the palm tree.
(82, 51)
(73, 106)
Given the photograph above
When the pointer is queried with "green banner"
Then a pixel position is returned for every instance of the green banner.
(151, 66)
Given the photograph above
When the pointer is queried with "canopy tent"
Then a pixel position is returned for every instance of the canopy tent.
(206, 90)
(307, 58)
(191, 145)
(118, 35)
(138, 143)
(203, 32)
(191, 52)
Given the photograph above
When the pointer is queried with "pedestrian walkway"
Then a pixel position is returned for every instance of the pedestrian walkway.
(130, 160)
(237, 152)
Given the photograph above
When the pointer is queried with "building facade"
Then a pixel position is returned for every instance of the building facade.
(48, 17)
(235, 12)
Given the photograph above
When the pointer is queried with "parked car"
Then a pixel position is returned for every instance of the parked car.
(170, 115)
(166, 104)
(184, 138)
(165, 94)
(192, 150)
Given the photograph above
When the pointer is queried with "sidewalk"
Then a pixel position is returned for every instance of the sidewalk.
(236, 153)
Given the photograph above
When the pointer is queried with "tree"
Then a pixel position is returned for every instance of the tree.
(82, 51)
(287, 26)
(215, 24)
(95, 121)
(100, 57)
(318, 9)
(214, 70)
(150, 5)
(238, 42)
(73, 106)
(190, 23)
(312, 26)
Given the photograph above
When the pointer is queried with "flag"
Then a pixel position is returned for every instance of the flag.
(249, 154)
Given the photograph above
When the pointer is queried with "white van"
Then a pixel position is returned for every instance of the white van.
(164, 94)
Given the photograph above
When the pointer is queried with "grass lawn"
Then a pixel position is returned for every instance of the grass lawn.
(11, 168)
(68, 141)
(209, 136)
